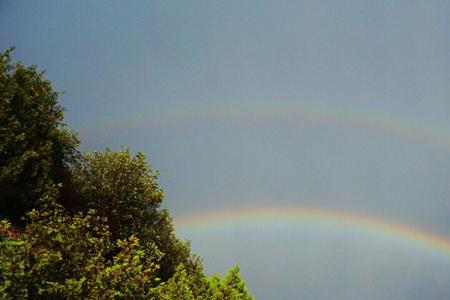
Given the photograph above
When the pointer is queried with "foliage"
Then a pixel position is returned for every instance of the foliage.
(230, 287)
(62, 257)
(189, 286)
(120, 186)
(35, 145)
(178, 287)
(124, 189)
(58, 256)
(95, 227)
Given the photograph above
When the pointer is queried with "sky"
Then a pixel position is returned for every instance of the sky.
(340, 106)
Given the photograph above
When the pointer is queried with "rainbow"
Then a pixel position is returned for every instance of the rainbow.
(339, 219)
(321, 114)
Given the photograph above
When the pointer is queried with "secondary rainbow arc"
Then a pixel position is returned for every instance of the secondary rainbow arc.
(410, 234)
(345, 117)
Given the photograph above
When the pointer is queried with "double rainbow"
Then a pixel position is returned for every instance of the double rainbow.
(320, 114)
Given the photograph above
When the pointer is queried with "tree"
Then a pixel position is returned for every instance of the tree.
(123, 188)
(177, 287)
(35, 145)
(95, 227)
(230, 287)
(195, 285)
(58, 256)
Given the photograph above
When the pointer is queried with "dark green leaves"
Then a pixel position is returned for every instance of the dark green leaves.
(94, 227)
(35, 145)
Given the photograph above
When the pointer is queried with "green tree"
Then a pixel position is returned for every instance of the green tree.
(230, 287)
(196, 286)
(177, 287)
(58, 256)
(124, 189)
(95, 227)
(35, 145)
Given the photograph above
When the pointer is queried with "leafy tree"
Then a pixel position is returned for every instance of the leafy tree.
(58, 256)
(230, 287)
(178, 287)
(35, 145)
(124, 189)
(196, 286)
(95, 227)
(120, 186)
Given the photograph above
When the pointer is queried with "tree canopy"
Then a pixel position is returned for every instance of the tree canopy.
(123, 188)
(35, 145)
(84, 226)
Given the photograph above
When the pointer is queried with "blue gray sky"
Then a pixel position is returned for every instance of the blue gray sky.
(260, 103)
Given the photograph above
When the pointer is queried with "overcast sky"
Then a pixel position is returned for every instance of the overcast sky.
(339, 105)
